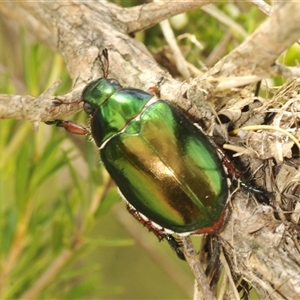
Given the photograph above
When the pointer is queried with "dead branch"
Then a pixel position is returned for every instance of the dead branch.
(81, 30)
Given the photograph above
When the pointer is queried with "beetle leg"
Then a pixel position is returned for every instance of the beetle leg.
(69, 126)
(234, 175)
(160, 233)
(155, 89)
(263, 194)
(175, 245)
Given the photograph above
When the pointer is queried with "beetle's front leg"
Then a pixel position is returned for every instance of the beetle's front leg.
(69, 126)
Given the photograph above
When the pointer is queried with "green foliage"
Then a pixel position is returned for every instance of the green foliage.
(46, 189)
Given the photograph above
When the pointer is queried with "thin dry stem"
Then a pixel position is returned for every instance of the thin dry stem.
(171, 40)
(16, 249)
(67, 254)
(203, 287)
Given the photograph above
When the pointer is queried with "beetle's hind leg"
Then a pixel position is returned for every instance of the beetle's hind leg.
(176, 245)
(235, 176)
(159, 232)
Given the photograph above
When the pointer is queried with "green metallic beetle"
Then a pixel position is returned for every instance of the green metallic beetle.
(166, 168)
(163, 165)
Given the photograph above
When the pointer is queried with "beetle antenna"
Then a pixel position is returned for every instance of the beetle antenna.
(104, 64)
